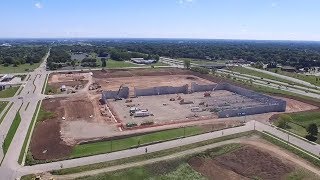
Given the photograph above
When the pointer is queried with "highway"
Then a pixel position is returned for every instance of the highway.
(282, 77)
(271, 84)
(31, 94)
(313, 93)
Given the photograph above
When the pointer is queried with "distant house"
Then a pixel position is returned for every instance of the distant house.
(288, 69)
(142, 61)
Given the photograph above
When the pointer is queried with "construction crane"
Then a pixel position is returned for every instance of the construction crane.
(116, 98)
(208, 94)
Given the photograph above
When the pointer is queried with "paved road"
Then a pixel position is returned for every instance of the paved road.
(243, 140)
(131, 152)
(282, 76)
(265, 83)
(272, 81)
(252, 125)
(31, 93)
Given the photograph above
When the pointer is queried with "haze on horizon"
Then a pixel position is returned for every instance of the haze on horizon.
(205, 19)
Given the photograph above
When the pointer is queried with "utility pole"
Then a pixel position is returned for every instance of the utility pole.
(184, 131)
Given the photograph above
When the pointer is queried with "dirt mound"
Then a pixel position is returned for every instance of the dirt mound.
(251, 162)
(212, 171)
(191, 78)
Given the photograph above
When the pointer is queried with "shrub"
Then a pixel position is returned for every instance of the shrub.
(147, 123)
(200, 70)
(129, 125)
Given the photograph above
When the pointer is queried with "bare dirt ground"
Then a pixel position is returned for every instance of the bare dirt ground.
(258, 158)
(165, 111)
(208, 168)
(82, 111)
(139, 72)
(251, 162)
(63, 77)
(46, 142)
(56, 80)
(297, 106)
(149, 81)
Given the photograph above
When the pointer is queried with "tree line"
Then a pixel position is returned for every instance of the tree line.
(16, 55)
(297, 54)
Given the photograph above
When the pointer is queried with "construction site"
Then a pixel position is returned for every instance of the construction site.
(126, 102)
(167, 104)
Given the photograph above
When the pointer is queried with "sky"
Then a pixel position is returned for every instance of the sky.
(205, 19)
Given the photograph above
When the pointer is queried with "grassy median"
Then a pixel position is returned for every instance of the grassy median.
(5, 113)
(12, 131)
(3, 105)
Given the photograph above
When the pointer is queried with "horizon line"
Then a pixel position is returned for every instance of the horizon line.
(163, 38)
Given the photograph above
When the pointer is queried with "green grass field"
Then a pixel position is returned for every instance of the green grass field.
(3, 104)
(44, 115)
(12, 131)
(266, 90)
(315, 80)
(20, 69)
(9, 92)
(202, 61)
(121, 144)
(299, 121)
(123, 64)
(119, 64)
(166, 170)
(243, 70)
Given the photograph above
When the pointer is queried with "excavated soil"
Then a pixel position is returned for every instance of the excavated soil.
(46, 142)
(78, 109)
(139, 72)
(149, 81)
(251, 162)
(208, 168)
